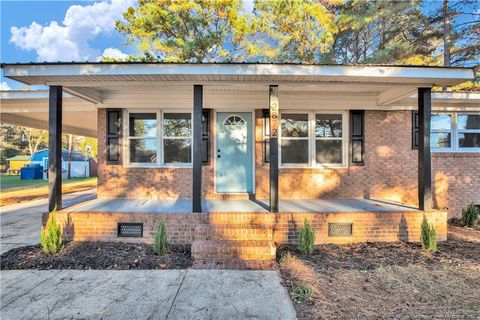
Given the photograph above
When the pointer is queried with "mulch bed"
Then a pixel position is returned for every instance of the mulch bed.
(367, 256)
(98, 256)
(387, 280)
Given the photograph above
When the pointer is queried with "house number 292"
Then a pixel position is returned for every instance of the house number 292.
(274, 120)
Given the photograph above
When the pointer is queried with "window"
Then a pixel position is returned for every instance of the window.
(468, 131)
(328, 138)
(294, 138)
(312, 139)
(440, 131)
(177, 138)
(143, 137)
(455, 132)
(156, 138)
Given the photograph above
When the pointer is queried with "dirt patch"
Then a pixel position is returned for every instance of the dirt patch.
(98, 256)
(388, 280)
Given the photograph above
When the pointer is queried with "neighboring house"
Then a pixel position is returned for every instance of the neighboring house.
(16, 163)
(80, 166)
(254, 149)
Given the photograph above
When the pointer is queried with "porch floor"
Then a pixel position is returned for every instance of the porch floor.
(234, 205)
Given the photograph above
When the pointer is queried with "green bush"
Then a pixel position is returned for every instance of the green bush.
(302, 292)
(161, 244)
(428, 236)
(306, 239)
(470, 215)
(51, 235)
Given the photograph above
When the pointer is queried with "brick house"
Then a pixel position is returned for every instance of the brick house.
(235, 156)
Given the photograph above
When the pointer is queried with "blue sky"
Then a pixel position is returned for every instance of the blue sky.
(60, 31)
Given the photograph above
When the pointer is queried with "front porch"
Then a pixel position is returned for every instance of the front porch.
(334, 221)
(239, 205)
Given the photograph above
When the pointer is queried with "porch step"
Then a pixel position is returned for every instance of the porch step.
(245, 250)
(241, 218)
(233, 232)
(235, 264)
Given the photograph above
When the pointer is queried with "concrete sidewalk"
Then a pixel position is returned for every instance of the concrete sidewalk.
(144, 294)
(21, 223)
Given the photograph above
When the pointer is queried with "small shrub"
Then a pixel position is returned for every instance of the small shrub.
(470, 215)
(51, 235)
(428, 236)
(302, 292)
(161, 244)
(306, 239)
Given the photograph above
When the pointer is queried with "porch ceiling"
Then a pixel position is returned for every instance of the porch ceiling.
(30, 109)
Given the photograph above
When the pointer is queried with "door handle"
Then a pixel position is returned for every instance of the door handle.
(218, 156)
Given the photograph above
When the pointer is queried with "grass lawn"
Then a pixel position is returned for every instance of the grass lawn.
(386, 280)
(13, 190)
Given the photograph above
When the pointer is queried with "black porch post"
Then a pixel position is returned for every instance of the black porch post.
(424, 160)
(55, 148)
(197, 148)
(273, 100)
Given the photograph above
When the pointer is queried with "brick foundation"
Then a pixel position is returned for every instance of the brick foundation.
(367, 226)
(389, 173)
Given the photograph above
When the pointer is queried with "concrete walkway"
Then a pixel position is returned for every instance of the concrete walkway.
(20, 224)
(144, 294)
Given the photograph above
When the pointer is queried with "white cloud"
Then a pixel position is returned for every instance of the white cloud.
(4, 86)
(69, 41)
(113, 53)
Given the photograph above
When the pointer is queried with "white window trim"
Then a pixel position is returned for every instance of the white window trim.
(454, 132)
(160, 138)
(312, 163)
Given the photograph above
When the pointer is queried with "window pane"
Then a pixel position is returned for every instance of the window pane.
(113, 153)
(468, 121)
(440, 140)
(177, 150)
(328, 125)
(294, 125)
(143, 150)
(329, 151)
(113, 122)
(469, 140)
(143, 124)
(441, 121)
(294, 151)
(177, 124)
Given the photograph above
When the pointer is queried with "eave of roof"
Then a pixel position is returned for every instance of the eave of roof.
(62, 73)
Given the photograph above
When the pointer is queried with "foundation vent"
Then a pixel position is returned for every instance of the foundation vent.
(130, 230)
(340, 229)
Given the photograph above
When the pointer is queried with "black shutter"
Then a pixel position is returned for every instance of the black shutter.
(114, 134)
(357, 138)
(266, 135)
(206, 114)
(414, 129)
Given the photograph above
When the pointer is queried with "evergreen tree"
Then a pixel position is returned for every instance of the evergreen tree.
(185, 31)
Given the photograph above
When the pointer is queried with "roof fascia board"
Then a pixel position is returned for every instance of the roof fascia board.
(327, 71)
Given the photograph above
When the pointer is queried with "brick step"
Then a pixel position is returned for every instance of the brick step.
(230, 249)
(235, 264)
(241, 218)
(233, 232)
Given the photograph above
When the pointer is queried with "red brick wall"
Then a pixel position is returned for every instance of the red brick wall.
(390, 171)
(367, 226)
(102, 226)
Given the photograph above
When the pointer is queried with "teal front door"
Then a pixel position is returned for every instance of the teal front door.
(234, 153)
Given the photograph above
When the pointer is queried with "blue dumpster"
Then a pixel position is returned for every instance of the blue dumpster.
(31, 172)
